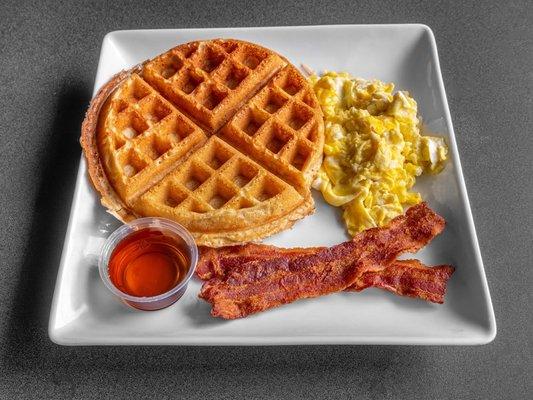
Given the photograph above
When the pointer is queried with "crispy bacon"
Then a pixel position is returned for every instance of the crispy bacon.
(218, 262)
(402, 277)
(243, 286)
(409, 278)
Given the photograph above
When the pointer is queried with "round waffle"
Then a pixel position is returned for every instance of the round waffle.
(222, 136)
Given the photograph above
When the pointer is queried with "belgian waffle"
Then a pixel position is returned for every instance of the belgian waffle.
(222, 136)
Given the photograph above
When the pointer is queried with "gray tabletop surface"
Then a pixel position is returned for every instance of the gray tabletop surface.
(48, 58)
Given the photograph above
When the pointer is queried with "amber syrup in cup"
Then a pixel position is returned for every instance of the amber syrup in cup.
(150, 265)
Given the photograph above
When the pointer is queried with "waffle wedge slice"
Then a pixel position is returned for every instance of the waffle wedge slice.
(211, 80)
(222, 197)
(142, 138)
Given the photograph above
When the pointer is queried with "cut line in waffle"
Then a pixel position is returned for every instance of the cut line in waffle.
(279, 128)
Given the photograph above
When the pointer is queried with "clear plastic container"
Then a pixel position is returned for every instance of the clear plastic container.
(179, 233)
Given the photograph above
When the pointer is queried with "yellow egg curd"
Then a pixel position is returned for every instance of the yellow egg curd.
(373, 149)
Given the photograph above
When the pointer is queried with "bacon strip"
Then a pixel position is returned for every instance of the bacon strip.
(217, 262)
(257, 285)
(403, 277)
(409, 278)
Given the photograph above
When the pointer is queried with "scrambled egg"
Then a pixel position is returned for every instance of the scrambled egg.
(373, 149)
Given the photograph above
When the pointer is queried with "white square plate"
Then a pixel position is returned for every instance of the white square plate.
(85, 312)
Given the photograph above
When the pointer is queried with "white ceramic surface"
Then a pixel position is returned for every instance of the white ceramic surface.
(85, 312)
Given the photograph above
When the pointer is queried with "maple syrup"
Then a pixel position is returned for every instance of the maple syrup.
(149, 262)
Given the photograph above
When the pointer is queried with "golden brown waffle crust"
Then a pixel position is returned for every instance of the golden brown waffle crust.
(117, 207)
(256, 233)
(109, 198)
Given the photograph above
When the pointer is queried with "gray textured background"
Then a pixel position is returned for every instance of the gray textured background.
(48, 59)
